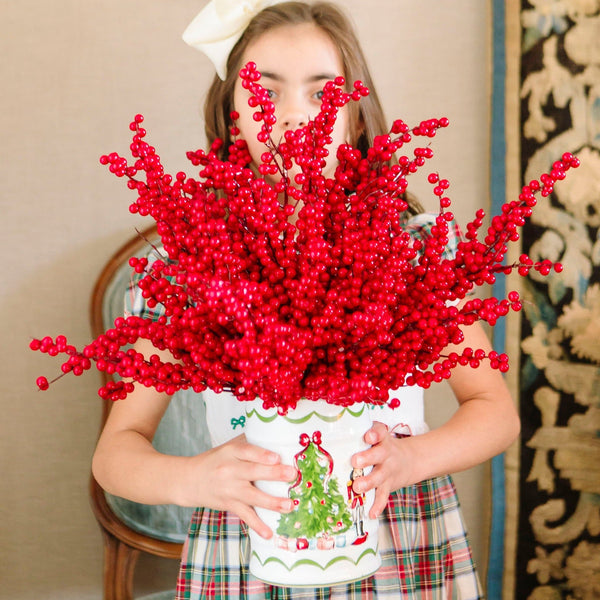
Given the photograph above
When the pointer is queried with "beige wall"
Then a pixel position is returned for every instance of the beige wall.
(72, 75)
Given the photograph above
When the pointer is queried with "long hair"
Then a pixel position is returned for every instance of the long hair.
(367, 118)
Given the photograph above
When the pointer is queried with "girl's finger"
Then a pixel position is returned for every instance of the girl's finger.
(249, 516)
(376, 433)
(251, 453)
(261, 472)
(373, 455)
(370, 457)
(253, 497)
(365, 483)
(379, 504)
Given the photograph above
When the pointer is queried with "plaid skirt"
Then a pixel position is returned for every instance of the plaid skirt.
(422, 540)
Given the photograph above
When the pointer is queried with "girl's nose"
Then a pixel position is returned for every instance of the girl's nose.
(293, 118)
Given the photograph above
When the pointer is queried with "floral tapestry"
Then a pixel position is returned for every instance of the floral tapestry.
(552, 539)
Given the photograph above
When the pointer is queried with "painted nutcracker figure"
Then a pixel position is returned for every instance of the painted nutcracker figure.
(356, 502)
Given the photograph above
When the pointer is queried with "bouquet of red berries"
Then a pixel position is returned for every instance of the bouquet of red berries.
(342, 304)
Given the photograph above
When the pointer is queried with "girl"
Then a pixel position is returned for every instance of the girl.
(298, 47)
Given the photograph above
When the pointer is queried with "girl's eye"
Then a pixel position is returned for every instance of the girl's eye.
(271, 94)
(318, 95)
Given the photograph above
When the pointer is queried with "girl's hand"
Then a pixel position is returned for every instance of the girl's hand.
(222, 478)
(390, 466)
(484, 425)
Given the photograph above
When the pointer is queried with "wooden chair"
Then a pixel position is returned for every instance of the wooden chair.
(129, 528)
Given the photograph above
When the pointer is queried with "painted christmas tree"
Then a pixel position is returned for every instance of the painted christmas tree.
(320, 509)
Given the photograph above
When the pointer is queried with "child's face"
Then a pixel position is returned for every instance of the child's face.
(295, 62)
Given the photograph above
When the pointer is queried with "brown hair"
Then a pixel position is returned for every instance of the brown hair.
(367, 119)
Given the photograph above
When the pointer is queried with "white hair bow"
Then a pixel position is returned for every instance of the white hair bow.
(220, 24)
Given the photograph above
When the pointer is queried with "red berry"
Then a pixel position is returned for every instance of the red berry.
(42, 383)
(340, 302)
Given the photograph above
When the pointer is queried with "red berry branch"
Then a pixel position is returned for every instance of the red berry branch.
(341, 304)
